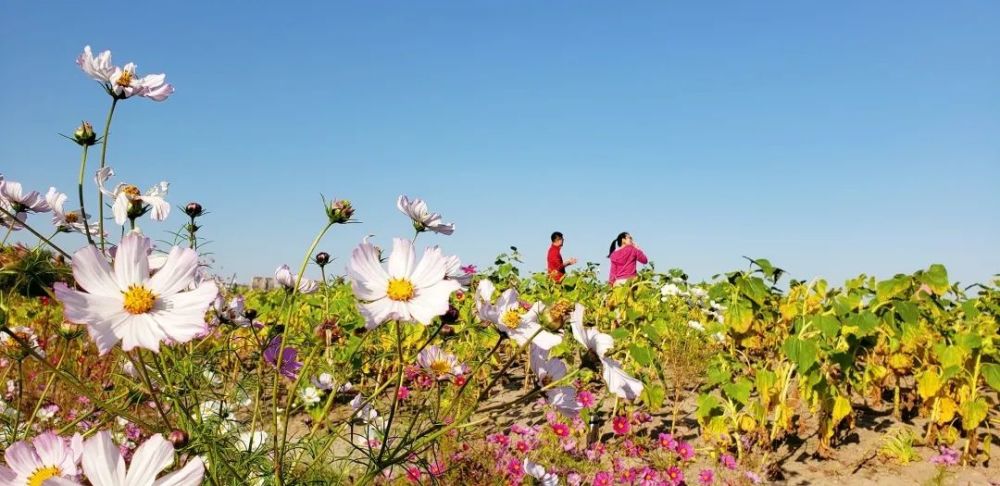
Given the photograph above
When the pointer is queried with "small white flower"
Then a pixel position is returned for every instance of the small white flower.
(698, 293)
(123, 82)
(212, 377)
(439, 362)
(511, 319)
(67, 221)
(324, 381)
(422, 218)
(407, 291)
(618, 382)
(538, 472)
(284, 277)
(251, 442)
(696, 326)
(310, 396)
(128, 199)
(669, 290)
(364, 411)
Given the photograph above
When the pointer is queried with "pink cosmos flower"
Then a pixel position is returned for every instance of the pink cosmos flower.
(403, 393)
(603, 478)
(46, 458)
(706, 477)
(560, 429)
(728, 461)
(620, 425)
(585, 399)
(668, 442)
(413, 474)
(685, 451)
(675, 475)
(947, 457)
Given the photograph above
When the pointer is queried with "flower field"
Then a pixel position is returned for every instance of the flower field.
(129, 362)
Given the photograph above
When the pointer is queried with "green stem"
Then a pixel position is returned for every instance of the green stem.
(83, 213)
(104, 153)
(140, 367)
(48, 386)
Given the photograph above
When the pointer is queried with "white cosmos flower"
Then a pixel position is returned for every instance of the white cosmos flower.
(439, 362)
(423, 219)
(251, 442)
(511, 319)
(363, 411)
(670, 290)
(324, 381)
(310, 396)
(538, 472)
(104, 465)
(127, 198)
(123, 82)
(696, 326)
(698, 293)
(126, 304)
(15, 201)
(284, 277)
(455, 272)
(407, 291)
(47, 459)
(618, 382)
(67, 221)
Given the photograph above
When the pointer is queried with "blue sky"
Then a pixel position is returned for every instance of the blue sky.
(833, 139)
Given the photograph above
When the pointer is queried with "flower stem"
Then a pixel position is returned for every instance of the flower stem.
(104, 152)
(48, 386)
(83, 213)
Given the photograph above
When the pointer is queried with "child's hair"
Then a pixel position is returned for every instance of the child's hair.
(556, 236)
(617, 242)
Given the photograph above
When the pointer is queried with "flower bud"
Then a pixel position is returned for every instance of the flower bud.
(193, 209)
(322, 258)
(447, 331)
(178, 438)
(84, 135)
(451, 316)
(250, 314)
(340, 211)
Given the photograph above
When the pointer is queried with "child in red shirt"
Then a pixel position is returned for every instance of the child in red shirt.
(556, 265)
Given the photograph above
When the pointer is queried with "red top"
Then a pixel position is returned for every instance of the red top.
(557, 269)
(623, 262)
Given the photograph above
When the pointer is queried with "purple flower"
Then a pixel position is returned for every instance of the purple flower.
(685, 451)
(289, 366)
(947, 457)
(728, 461)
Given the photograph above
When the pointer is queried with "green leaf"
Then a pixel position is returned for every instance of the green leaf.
(908, 311)
(640, 354)
(653, 395)
(928, 384)
(622, 333)
(888, 289)
(708, 406)
(754, 289)
(739, 315)
(969, 341)
(801, 352)
(973, 413)
(950, 355)
(991, 373)
(846, 304)
(739, 391)
(829, 325)
(936, 278)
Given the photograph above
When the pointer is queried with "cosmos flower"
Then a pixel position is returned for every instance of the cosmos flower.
(423, 219)
(123, 82)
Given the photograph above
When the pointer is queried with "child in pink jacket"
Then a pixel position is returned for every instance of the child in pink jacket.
(624, 255)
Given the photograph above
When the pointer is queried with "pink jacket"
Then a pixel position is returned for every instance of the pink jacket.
(623, 262)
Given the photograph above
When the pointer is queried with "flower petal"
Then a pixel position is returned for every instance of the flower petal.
(102, 462)
(401, 259)
(177, 272)
(132, 260)
(190, 475)
(93, 273)
(22, 458)
(150, 458)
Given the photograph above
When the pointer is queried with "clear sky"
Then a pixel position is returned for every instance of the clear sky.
(834, 138)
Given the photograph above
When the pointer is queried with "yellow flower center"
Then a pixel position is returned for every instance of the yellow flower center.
(41, 474)
(441, 367)
(72, 217)
(138, 300)
(511, 318)
(131, 191)
(125, 79)
(400, 289)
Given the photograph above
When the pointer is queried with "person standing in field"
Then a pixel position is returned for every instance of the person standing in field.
(624, 255)
(556, 265)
